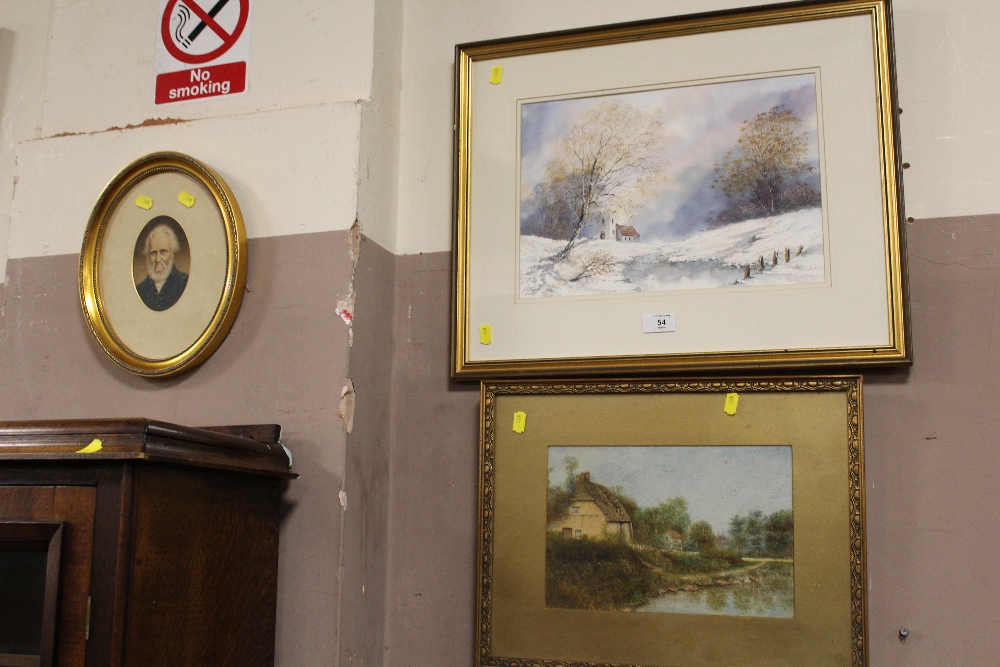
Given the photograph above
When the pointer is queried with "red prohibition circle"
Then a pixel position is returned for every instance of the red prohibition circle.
(228, 39)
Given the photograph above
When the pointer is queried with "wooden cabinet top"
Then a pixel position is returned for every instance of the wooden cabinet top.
(253, 448)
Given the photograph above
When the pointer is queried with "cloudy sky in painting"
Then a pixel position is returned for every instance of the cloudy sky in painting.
(700, 122)
(718, 482)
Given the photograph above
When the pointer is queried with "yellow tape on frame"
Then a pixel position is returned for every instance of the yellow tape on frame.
(519, 419)
(732, 400)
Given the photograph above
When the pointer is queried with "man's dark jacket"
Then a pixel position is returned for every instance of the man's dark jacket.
(170, 291)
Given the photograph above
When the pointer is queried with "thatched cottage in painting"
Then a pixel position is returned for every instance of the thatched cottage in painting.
(594, 512)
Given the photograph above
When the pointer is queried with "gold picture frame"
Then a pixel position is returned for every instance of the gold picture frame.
(163, 265)
(812, 273)
(797, 604)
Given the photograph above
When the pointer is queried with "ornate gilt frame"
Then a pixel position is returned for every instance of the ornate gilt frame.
(473, 360)
(232, 265)
(820, 417)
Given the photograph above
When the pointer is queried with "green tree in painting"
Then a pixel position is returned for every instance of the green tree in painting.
(757, 535)
(558, 502)
(760, 175)
(650, 525)
(738, 537)
(778, 534)
(560, 497)
(572, 465)
(702, 535)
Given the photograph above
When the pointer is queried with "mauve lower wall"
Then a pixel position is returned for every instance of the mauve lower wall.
(933, 461)
(933, 466)
(283, 362)
(433, 478)
(367, 483)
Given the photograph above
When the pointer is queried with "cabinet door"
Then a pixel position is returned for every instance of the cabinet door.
(72, 506)
(204, 569)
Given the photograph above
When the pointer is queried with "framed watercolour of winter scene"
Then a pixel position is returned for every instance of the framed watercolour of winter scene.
(706, 191)
(680, 535)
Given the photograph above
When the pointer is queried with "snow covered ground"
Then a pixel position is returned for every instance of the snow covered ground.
(711, 258)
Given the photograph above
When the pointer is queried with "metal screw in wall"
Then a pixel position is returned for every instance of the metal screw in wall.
(904, 633)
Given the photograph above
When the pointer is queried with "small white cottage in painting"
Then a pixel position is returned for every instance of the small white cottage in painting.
(674, 540)
(627, 233)
(608, 229)
(594, 512)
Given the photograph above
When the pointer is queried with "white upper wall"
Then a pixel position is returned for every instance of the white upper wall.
(292, 171)
(378, 164)
(76, 106)
(100, 70)
(947, 78)
(57, 78)
(23, 40)
(948, 67)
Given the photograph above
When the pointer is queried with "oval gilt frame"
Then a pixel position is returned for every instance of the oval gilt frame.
(233, 261)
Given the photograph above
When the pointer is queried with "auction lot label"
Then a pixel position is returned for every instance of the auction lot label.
(202, 49)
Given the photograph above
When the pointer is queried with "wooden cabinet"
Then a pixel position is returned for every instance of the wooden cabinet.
(168, 539)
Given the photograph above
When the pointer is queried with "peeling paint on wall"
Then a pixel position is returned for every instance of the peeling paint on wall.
(354, 244)
(347, 405)
(149, 122)
(345, 306)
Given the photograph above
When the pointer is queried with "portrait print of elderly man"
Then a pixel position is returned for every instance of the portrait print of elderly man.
(164, 283)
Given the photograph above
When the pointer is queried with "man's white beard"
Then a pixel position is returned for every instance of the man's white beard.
(159, 277)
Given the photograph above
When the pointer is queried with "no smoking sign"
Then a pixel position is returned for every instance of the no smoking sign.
(202, 49)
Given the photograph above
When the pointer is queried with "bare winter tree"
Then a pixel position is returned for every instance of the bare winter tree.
(552, 215)
(607, 163)
(596, 263)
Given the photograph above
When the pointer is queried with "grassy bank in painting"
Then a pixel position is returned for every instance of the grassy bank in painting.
(612, 575)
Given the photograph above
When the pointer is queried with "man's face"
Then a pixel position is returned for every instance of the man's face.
(160, 258)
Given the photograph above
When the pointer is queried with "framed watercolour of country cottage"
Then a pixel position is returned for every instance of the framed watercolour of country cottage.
(706, 191)
(163, 265)
(662, 523)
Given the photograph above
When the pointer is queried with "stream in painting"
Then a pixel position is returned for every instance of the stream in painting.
(771, 595)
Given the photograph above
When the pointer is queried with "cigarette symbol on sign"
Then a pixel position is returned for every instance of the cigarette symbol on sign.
(181, 40)
(183, 14)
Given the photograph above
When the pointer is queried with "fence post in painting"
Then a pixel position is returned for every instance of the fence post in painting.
(799, 251)
(774, 258)
(761, 260)
(788, 255)
(746, 272)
